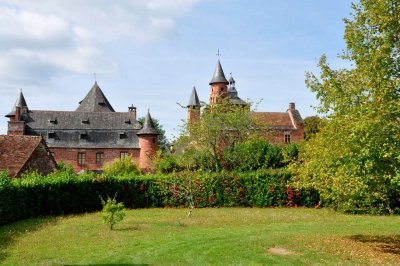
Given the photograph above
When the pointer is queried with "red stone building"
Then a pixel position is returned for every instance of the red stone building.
(283, 127)
(19, 154)
(89, 136)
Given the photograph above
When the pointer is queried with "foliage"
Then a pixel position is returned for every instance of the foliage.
(354, 160)
(112, 211)
(312, 125)
(123, 167)
(221, 126)
(162, 140)
(64, 193)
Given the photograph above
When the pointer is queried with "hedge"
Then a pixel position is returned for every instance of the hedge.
(65, 192)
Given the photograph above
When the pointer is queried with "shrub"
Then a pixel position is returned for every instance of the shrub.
(121, 167)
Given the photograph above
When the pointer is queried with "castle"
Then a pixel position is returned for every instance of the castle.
(283, 127)
(89, 136)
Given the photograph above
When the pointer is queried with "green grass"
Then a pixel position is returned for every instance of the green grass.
(231, 236)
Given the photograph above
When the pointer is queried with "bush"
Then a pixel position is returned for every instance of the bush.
(64, 193)
(112, 211)
(121, 167)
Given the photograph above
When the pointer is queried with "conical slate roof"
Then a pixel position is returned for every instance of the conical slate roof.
(194, 99)
(148, 126)
(219, 75)
(95, 101)
(20, 102)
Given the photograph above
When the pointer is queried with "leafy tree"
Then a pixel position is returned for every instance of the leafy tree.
(162, 140)
(124, 166)
(112, 211)
(221, 126)
(353, 162)
(312, 125)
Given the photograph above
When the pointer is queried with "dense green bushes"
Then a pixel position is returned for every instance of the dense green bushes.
(64, 192)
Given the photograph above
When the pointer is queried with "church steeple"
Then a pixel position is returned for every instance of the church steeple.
(219, 76)
(19, 106)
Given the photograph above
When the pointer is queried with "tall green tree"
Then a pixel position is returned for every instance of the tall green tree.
(312, 125)
(354, 160)
(221, 126)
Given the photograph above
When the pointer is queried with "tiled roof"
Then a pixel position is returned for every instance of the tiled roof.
(275, 120)
(95, 101)
(219, 75)
(84, 129)
(15, 151)
(148, 126)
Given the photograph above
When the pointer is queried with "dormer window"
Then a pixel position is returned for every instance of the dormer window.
(127, 121)
(51, 135)
(53, 121)
(83, 135)
(102, 103)
(85, 121)
(122, 135)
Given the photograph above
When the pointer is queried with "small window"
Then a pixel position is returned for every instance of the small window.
(99, 158)
(122, 135)
(287, 137)
(123, 154)
(81, 158)
(85, 121)
(83, 135)
(51, 135)
(154, 140)
(53, 121)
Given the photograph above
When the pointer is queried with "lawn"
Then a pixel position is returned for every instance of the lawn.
(220, 236)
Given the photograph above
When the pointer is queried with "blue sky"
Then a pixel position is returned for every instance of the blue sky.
(150, 53)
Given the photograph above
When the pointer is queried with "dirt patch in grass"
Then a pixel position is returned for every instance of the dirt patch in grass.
(280, 251)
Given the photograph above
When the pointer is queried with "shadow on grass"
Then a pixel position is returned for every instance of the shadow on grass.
(9, 233)
(386, 244)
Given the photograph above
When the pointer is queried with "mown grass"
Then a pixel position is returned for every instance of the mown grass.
(225, 236)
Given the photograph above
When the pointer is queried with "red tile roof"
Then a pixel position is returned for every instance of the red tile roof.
(277, 120)
(15, 151)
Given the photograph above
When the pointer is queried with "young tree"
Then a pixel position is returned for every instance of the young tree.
(353, 161)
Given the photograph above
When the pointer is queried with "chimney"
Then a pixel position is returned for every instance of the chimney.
(292, 106)
(17, 113)
(132, 112)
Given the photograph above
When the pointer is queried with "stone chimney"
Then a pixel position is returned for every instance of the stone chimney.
(132, 112)
(292, 106)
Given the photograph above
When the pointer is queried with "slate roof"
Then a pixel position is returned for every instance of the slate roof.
(275, 120)
(95, 101)
(72, 129)
(20, 102)
(15, 152)
(219, 75)
(194, 99)
(148, 126)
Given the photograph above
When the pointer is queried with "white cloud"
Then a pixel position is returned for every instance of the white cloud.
(73, 35)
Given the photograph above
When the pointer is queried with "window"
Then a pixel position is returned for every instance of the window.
(99, 158)
(122, 135)
(124, 154)
(287, 137)
(51, 135)
(81, 158)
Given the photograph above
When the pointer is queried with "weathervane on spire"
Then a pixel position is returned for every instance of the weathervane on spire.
(95, 78)
(218, 54)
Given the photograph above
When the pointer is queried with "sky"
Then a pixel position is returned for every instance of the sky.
(150, 53)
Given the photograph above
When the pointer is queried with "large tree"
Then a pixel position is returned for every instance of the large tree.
(354, 160)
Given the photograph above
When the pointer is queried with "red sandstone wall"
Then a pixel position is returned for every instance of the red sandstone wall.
(70, 157)
(278, 137)
(148, 148)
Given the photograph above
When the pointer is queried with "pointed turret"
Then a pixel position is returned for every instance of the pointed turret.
(19, 103)
(219, 76)
(148, 144)
(148, 126)
(194, 99)
(95, 101)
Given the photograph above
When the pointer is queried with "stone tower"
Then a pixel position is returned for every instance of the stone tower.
(16, 125)
(218, 84)
(148, 143)
(193, 107)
